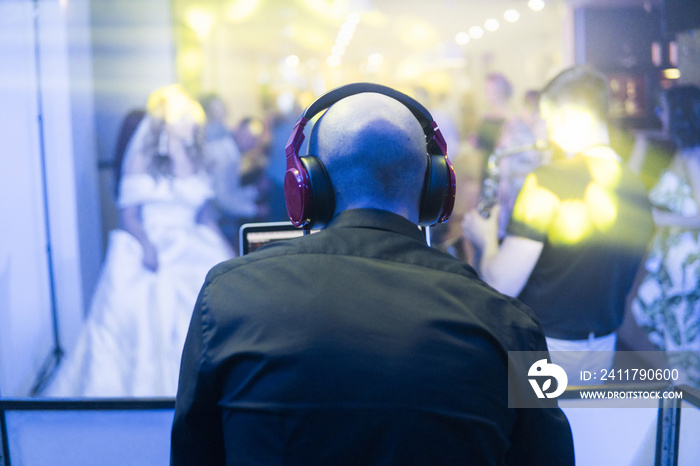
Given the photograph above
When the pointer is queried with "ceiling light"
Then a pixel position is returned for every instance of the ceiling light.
(475, 32)
(200, 22)
(511, 16)
(462, 38)
(491, 25)
(672, 73)
(535, 5)
(240, 10)
(333, 61)
(375, 59)
(291, 61)
(338, 50)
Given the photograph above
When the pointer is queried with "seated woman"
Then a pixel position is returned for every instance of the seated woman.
(155, 263)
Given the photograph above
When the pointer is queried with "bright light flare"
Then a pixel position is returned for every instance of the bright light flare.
(569, 126)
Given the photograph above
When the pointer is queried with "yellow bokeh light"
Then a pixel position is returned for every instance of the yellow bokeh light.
(536, 205)
(240, 10)
(191, 61)
(334, 10)
(200, 21)
(172, 104)
(672, 73)
(602, 206)
(604, 171)
(256, 127)
(571, 223)
(572, 220)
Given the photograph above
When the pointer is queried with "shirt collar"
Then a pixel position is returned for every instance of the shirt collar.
(377, 219)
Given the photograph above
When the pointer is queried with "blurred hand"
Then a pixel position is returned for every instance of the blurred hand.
(480, 230)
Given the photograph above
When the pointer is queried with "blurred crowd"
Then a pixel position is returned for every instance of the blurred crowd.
(240, 166)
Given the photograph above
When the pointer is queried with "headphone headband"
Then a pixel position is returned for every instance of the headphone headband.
(307, 205)
(434, 138)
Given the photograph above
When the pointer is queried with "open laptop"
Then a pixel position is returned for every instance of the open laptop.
(252, 236)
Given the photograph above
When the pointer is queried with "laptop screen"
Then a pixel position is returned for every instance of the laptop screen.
(252, 236)
(255, 235)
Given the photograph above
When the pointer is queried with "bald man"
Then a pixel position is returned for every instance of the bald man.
(359, 344)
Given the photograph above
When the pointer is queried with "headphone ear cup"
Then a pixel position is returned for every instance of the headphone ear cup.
(297, 194)
(438, 195)
(322, 204)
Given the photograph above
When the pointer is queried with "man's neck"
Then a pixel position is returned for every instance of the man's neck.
(399, 209)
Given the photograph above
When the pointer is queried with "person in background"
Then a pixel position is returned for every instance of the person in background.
(667, 303)
(131, 342)
(447, 236)
(252, 137)
(498, 92)
(128, 127)
(280, 121)
(520, 153)
(520, 149)
(531, 116)
(578, 233)
(235, 201)
(360, 344)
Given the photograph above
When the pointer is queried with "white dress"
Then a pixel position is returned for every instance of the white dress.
(132, 340)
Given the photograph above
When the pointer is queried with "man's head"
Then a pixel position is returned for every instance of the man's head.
(498, 88)
(575, 106)
(374, 151)
(214, 107)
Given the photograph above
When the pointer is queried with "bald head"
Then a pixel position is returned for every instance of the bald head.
(375, 152)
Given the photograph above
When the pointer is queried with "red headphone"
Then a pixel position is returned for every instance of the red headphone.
(308, 190)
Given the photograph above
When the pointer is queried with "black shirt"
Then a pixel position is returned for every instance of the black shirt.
(355, 345)
(594, 219)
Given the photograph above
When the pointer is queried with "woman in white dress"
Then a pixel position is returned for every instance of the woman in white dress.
(155, 263)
